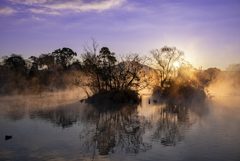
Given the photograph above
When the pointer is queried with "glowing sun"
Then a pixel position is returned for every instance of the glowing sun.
(176, 64)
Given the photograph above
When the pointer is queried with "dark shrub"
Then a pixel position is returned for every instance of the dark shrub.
(116, 96)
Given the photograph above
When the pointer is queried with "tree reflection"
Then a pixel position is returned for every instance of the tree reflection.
(60, 117)
(120, 130)
(170, 123)
(116, 131)
(173, 120)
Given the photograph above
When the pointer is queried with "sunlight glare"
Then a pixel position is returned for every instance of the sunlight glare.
(176, 64)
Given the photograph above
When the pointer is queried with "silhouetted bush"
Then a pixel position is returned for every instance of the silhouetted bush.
(116, 96)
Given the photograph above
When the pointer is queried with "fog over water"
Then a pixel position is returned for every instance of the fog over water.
(168, 95)
(59, 127)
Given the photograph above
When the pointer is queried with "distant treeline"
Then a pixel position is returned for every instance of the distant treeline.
(96, 71)
(35, 75)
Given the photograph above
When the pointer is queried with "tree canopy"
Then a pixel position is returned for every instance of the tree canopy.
(15, 63)
(64, 56)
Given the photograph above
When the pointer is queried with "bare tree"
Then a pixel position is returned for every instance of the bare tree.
(105, 73)
(164, 61)
(91, 66)
(130, 73)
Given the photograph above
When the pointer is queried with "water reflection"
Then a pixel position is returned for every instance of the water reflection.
(127, 130)
(115, 131)
(173, 119)
(61, 117)
(122, 131)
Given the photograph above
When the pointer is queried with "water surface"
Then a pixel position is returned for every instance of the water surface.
(59, 127)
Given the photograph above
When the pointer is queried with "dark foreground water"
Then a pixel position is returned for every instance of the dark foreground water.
(61, 128)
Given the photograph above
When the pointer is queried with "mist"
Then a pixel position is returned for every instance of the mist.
(127, 107)
(227, 84)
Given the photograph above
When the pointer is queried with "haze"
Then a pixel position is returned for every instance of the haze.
(120, 80)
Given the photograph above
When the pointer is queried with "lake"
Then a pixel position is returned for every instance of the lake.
(59, 127)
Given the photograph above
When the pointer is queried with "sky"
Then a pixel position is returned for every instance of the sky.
(208, 31)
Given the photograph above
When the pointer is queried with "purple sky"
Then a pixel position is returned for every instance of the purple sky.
(208, 31)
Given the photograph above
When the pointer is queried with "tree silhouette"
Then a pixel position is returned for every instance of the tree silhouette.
(16, 63)
(13, 75)
(107, 64)
(106, 73)
(46, 59)
(64, 56)
(35, 62)
(164, 59)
